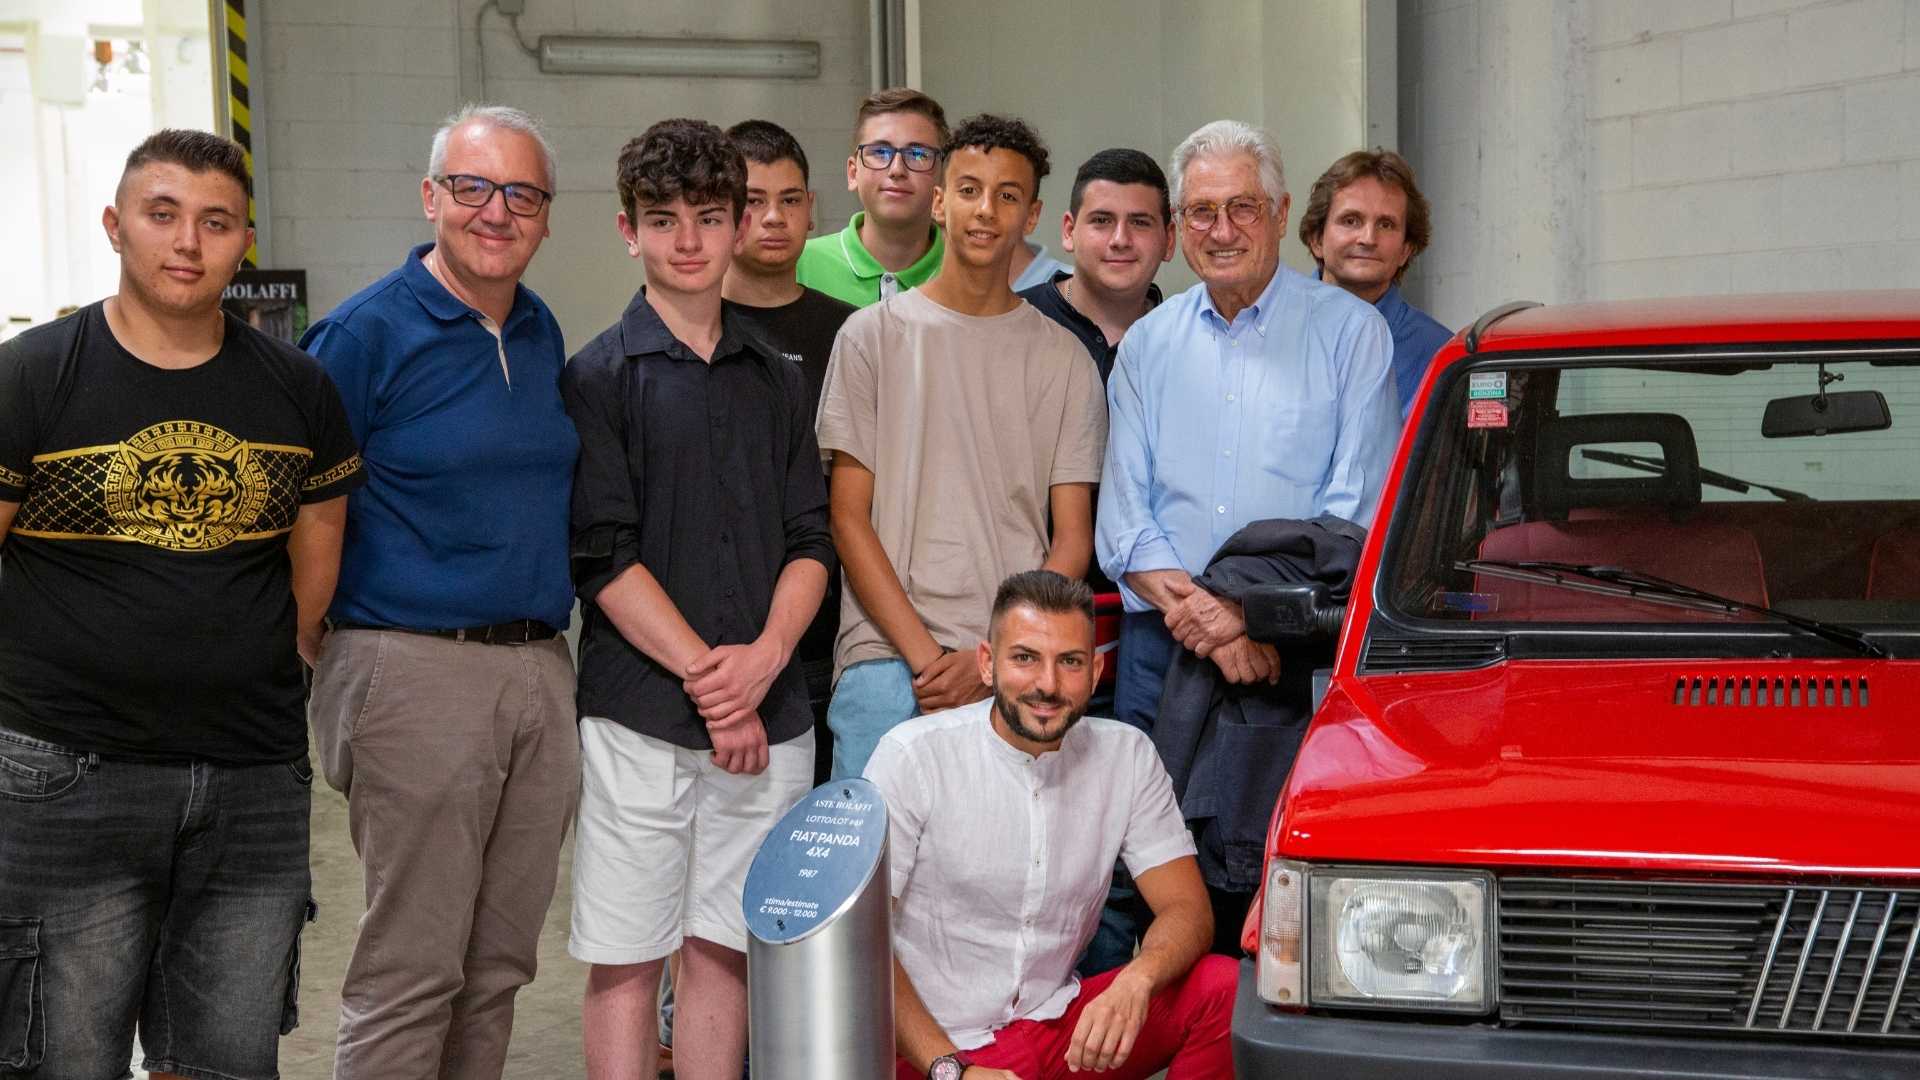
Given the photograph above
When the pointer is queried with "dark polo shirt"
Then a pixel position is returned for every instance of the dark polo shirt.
(463, 520)
(708, 475)
(1046, 296)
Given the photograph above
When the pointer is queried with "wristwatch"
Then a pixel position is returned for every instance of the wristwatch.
(946, 1067)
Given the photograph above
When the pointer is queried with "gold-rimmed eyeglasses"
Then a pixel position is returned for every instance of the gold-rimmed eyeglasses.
(1203, 216)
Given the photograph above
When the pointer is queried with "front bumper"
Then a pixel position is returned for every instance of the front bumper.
(1271, 1044)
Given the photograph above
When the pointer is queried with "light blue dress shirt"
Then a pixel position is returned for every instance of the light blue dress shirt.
(1042, 268)
(1289, 411)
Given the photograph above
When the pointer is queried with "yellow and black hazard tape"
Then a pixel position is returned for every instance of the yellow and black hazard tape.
(239, 108)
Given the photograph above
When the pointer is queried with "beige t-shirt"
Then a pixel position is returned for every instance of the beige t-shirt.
(965, 421)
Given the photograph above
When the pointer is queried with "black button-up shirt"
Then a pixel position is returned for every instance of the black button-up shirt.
(1046, 296)
(708, 475)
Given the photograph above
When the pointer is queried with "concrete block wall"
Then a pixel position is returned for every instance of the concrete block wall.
(355, 88)
(1722, 146)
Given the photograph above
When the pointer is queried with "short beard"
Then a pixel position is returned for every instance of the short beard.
(1009, 711)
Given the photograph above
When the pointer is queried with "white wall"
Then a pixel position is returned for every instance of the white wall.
(66, 138)
(1573, 149)
(1620, 148)
(356, 88)
(1091, 74)
(23, 284)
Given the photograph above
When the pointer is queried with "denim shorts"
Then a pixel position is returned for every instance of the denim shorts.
(872, 698)
(167, 895)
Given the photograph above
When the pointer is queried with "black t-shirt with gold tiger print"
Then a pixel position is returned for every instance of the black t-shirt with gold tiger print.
(146, 603)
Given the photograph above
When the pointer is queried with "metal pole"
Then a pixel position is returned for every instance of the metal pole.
(820, 941)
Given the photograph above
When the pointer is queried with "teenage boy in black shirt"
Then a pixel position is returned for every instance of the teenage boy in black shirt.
(1119, 229)
(172, 491)
(700, 553)
(798, 322)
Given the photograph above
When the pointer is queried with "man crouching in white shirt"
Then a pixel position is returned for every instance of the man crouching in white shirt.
(1006, 817)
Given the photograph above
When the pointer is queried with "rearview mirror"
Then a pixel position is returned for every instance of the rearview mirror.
(1826, 414)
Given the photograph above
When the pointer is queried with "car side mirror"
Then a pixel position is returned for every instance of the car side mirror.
(1292, 614)
(1826, 414)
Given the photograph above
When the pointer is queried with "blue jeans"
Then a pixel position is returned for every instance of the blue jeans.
(167, 895)
(872, 698)
(1146, 650)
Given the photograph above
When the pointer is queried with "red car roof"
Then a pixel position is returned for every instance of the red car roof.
(1893, 314)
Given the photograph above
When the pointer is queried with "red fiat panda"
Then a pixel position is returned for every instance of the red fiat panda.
(1617, 772)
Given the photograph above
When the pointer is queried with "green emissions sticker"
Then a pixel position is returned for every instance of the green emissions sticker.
(1487, 384)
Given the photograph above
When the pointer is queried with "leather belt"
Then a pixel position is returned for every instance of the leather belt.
(517, 632)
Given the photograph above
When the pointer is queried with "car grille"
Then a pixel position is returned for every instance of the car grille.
(1748, 960)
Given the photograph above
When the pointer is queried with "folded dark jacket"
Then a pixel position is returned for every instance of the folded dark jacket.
(1229, 747)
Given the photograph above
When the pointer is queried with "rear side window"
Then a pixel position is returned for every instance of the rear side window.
(1679, 471)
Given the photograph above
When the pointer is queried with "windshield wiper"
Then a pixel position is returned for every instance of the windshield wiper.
(1620, 581)
(1652, 464)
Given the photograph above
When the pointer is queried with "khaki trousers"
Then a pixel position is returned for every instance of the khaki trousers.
(461, 766)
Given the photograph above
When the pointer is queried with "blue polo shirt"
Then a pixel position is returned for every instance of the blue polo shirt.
(469, 456)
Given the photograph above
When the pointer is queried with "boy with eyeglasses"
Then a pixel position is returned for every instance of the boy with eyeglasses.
(966, 430)
(892, 243)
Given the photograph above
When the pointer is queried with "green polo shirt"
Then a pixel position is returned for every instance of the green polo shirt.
(840, 266)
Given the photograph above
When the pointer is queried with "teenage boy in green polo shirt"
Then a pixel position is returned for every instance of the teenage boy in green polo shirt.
(892, 244)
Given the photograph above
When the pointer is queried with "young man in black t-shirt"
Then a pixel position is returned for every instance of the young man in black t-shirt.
(798, 322)
(172, 491)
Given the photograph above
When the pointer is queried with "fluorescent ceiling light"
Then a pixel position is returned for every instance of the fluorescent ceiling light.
(679, 56)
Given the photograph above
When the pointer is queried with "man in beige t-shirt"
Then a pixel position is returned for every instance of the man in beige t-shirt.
(961, 423)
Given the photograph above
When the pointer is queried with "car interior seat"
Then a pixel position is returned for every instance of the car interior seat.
(1646, 523)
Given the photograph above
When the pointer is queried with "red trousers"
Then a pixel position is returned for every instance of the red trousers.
(1185, 1033)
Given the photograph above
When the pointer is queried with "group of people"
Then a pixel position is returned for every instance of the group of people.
(829, 507)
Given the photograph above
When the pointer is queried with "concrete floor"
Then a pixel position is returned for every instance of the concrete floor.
(546, 1027)
(546, 1030)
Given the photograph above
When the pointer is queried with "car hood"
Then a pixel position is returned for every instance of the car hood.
(1782, 767)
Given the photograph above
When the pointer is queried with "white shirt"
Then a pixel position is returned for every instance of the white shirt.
(1001, 860)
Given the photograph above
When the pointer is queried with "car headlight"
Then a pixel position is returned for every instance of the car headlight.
(1282, 926)
(1398, 940)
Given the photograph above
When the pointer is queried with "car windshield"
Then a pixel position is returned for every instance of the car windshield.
(1783, 482)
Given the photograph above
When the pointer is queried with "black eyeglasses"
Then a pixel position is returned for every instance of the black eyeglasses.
(879, 155)
(1203, 216)
(523, 200)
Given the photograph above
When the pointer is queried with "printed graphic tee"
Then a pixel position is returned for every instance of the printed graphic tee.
(146, 603)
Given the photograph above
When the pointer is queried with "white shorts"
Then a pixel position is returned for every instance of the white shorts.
(664, 840)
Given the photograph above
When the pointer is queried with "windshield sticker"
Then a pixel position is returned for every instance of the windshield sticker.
(1486, 414)
(1487, 384)
(1479, 603)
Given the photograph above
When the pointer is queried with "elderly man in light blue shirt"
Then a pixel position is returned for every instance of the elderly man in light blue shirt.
(1259, 393)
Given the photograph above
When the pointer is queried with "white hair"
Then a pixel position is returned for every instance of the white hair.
(505, 116)
(1222, 137)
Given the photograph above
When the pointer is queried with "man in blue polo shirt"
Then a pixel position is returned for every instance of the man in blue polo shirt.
(443, 701)
(1365, 223)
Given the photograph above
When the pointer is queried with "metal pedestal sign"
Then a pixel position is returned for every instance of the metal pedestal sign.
(820, 941)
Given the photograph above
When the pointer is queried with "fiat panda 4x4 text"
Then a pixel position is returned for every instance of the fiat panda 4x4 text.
(1618, 769)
